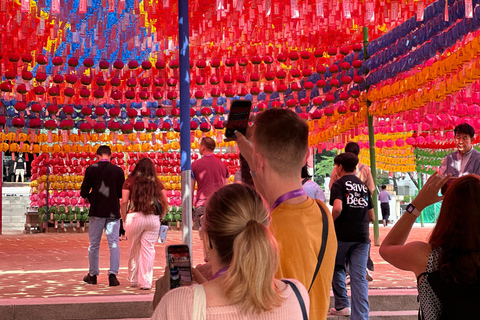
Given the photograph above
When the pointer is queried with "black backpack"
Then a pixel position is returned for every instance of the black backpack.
(459, 301)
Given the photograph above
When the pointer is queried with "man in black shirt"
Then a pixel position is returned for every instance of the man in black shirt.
(352, 211)
(102, 187)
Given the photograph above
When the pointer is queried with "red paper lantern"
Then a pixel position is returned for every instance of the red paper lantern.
(160, 64)
(133, 65)
(131, 83)
(68, 110)
(20, 106)
(27, 58)
(160, 113)
(276, 104)
(27, 75)
(145, 82)
(230, 62)
(118, 65)
(69, 92)
(71, 78)
(57, 61)
(58, 79)
(104, 65)
(42, 60)
(146, 65)
(321, 83)
(22, 88)
(72, 62)
(52, 109)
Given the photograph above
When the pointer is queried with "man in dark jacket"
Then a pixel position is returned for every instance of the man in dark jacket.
(102, 188)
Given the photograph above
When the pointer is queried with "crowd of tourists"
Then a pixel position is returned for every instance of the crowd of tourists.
(272, 247)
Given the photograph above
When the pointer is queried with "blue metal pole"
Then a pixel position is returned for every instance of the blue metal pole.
(183, 34)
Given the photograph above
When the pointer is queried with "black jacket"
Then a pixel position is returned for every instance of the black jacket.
(102, 186)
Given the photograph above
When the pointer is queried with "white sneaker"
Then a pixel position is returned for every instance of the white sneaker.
(341, 312)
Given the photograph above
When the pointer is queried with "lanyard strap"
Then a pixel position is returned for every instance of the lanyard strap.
(287, 196)
(219, 273)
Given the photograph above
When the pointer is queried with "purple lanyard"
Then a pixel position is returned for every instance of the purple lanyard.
(287, 196)
(219, 273)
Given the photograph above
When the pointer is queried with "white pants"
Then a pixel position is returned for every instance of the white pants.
(142, 232)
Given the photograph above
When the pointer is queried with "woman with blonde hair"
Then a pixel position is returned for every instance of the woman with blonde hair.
(142, 222)
(447, 267)
(244, 259)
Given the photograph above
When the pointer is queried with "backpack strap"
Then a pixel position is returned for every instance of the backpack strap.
(359, 170)
(304, 181)
(323, 246)
(299, 297)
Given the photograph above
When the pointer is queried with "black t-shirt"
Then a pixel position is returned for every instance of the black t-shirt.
(352, 224)
(20, 163)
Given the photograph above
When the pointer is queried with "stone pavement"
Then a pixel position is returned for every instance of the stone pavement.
(53, 265)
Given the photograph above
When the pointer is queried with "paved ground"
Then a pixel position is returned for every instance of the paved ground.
(53, 265)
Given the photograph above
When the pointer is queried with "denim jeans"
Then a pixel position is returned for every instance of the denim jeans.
(95, 230)
(356, 253)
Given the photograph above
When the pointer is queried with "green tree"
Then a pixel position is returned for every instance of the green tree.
(323, 166)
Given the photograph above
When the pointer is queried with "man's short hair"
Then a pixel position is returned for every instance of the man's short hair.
(464, 128)
(347, 160)
(384, 187)
(352, 147)
(209, 143)
(104, 150)
(281, 136)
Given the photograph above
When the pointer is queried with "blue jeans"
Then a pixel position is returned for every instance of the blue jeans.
(95, 230)
(356, 253)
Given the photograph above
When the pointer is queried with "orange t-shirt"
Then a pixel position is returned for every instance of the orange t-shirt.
(298, 230)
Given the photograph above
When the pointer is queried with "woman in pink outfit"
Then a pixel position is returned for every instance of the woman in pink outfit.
(141, 224)
(243, 257)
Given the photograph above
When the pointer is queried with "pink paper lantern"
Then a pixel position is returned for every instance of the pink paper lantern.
(379, 144)
(420, 140)
(410, 141)
(389, 143)
(399, 142)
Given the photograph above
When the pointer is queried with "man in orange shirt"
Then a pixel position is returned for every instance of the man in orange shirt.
(276, 154)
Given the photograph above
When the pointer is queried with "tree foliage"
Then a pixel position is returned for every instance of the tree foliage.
(323, 166)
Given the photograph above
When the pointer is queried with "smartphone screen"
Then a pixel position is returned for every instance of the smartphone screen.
(178, 261)
(238, 117)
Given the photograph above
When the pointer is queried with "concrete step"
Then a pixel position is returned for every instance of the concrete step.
(390, 304)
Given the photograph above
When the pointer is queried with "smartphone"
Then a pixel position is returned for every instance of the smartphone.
(446, 185)
(162, 234)
(238, 117)
(179, 263)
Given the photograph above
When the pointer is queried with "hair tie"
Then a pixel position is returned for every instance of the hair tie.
(251, 222)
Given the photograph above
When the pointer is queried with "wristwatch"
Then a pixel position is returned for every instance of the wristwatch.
(412, 210)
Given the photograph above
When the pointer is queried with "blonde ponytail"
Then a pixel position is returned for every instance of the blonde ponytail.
(237, 223)
(250, 278)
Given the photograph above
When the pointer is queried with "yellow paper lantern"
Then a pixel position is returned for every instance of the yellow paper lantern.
(94, 137)
(11, 136)
(146, 147)
(127, 148)
(76, 148)
(25, 148)
(166, 147)
(87, 148)
(55, 138)
(14, 147)
(56, 148)
(104, 137)
(198, 134)
(4, 146)
(3, 136)
(36, 148)
(74, 138)
(170, 135)
(175, 145)
(22, 137)
(136, 148)
(143, 136)
(66, 148)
